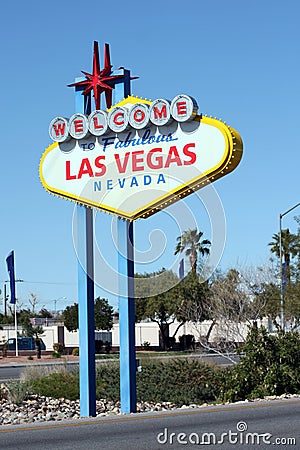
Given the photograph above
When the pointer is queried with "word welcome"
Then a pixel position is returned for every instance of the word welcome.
(161, 112)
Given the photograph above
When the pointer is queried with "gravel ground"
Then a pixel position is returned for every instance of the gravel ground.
(45, 409)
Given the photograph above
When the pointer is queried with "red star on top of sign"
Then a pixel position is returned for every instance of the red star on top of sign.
(100, 80)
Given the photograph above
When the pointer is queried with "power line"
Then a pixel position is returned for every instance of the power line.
(41, 282)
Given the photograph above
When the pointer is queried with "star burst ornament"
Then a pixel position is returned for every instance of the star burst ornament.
(101, 80)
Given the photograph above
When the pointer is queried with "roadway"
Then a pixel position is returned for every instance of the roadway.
(242, 425)
(14, 370)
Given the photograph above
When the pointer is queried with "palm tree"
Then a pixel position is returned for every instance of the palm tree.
(289, 246)
(190, 242)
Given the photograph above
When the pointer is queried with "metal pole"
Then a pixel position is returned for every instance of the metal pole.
(85, 243)
(16, 328)
(127, 316)
(126, 290)
(281, 275)
(281, 268)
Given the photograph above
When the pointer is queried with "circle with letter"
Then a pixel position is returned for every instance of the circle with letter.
(139, 116)
(78, 126)
(184, 108)
(118, 119)
(59, 129)
(160, 112)
(98, 123)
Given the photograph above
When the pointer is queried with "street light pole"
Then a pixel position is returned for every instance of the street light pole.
(55, 301)
(281, 268)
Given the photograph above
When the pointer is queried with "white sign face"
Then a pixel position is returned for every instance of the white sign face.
(137, 172)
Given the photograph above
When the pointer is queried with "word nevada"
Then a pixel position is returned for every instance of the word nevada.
(118, 119)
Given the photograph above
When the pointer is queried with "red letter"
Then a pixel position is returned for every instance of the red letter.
(96, 124)
(190, 154)
(68, 174)
(139, 115)
(160, 113)
(181, 108)
(136, 160)
(85, 167)
(115, 118)
(78, 125)
(122, 168)
(158, 159)
(100, 166)
(173, 157)
(59, 129)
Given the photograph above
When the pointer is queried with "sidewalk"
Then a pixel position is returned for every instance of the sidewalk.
(45, 359)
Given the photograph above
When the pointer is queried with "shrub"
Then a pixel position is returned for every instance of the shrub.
(108, 381)
(98, 346)
(58, 348)
(187, 342)
(107, 347)
(75, 351)
(270, 366)
(57, 385)
(180, 381)
(146, 345)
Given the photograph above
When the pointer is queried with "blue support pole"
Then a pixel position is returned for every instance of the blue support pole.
(126, 291)
(126, 316)
(85, 247)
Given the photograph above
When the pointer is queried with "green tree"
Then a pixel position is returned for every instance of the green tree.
(103, 315)
(190, 242)
(32, 331)
(163, 308)
(194, 297)
(290, 248)
(44, 313)
(70, 317)
(268, 297)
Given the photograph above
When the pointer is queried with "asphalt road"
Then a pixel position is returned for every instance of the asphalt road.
(245, 425)
(13, 371)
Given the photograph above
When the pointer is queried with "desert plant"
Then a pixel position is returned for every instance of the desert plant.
(146, 345)
(17, 391)
(58, 348)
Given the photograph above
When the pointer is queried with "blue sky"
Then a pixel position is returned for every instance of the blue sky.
(240, 60)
